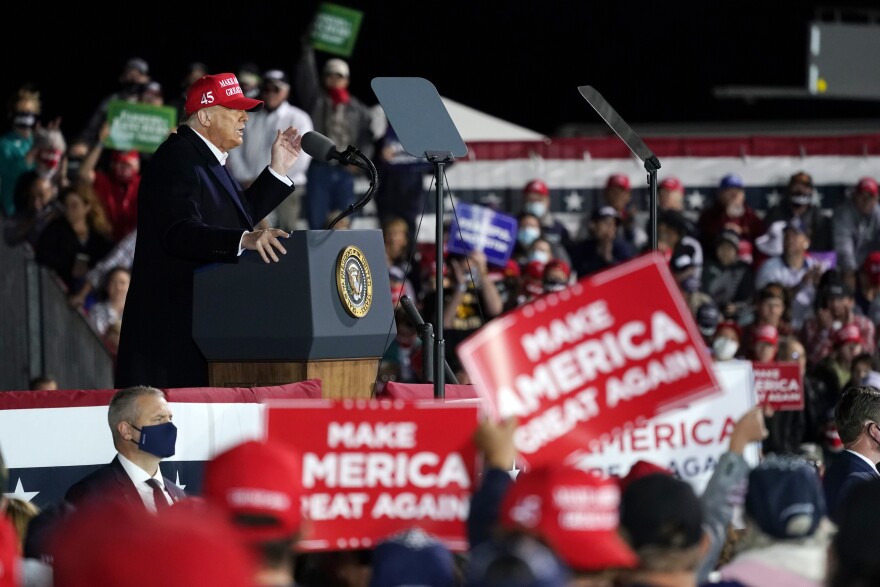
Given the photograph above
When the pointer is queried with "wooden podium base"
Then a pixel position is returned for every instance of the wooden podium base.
(354, 378)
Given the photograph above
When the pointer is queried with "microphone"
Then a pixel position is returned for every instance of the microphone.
(411, 311)
(324, 149)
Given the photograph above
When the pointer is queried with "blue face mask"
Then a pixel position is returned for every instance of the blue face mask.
(158, 440)
(540, 256)
(528, 235)
(536, 208)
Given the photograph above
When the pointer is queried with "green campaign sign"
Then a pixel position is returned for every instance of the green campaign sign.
(139, 127)
(336, 28)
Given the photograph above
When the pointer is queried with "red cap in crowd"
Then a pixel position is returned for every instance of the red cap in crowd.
(537, 186)
(618, 180)
(638, 470)
(116, 544)
(767, 333)
(558, 264)
(847, 334)
(732, 325)
(576, 512)
(869, 185)
(672, 184)
(221, 89)
(511, 270)
(872, 267)
(534, 278)
(257, 480)
(125, 157)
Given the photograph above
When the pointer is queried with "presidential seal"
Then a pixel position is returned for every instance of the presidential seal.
(354, 282)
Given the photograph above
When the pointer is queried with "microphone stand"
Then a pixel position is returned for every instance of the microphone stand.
(426, 334)
(347, 157)
(439, 159)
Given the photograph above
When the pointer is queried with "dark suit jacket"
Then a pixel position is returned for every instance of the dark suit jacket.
(112, 482)
(191, 213)
(844, 472)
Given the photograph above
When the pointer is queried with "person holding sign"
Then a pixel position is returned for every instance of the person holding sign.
(341, 117)
(472, 300)
(193, 212)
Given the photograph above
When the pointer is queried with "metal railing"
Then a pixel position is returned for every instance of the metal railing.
(40, 334)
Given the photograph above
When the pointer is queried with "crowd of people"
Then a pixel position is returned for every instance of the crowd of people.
(551, 525)
(794, 284)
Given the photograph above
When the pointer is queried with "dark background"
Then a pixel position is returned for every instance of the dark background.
(519, 60)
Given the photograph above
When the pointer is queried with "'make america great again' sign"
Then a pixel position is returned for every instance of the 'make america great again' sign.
(374, 468)
(576, 366)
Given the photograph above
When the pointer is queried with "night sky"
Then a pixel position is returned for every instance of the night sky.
(519, 60)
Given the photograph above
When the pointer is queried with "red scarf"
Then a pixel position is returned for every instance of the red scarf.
(339, 96)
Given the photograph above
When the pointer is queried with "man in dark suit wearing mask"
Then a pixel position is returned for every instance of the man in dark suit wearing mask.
(857, 416)
(143, 434)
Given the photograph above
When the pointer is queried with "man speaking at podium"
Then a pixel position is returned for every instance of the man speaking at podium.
(192, 212)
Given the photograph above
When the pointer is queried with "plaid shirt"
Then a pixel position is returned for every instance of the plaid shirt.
(820, 342)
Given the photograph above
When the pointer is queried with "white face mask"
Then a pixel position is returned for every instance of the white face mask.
(536, 208)
(542, 256)
(527, 235)
(724, 348)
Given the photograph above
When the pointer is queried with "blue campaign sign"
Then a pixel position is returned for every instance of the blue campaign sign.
(480, 228)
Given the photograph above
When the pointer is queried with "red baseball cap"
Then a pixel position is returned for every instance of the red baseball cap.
(638, 470)
(259, 480)
(868, 184)
(537, 186)
(767, 333)
(732, 325)
(510, 270)
(575, 512)
(872, 267)
(194, 546)
(558, 264)
(846, 334)
(125, 156)
(221, 89)
(671, 183)
(618, 180)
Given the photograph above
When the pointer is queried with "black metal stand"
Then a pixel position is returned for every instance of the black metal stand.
(439, 160)
(635, 144)
(651, 166)
(426, 335)
(425, 129)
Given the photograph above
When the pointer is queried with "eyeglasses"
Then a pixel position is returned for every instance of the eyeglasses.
(271, 89)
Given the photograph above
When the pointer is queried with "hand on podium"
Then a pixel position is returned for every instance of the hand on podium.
(263, 241)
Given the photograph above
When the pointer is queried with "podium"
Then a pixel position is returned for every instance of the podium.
(323, 311)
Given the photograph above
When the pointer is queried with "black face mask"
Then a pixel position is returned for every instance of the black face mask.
(73, 165)
(551, 285)
(24, 119)
(133, 88)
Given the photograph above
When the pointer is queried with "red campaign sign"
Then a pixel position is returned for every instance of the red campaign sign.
(374, 468)
(577, 366)
(779, 385)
